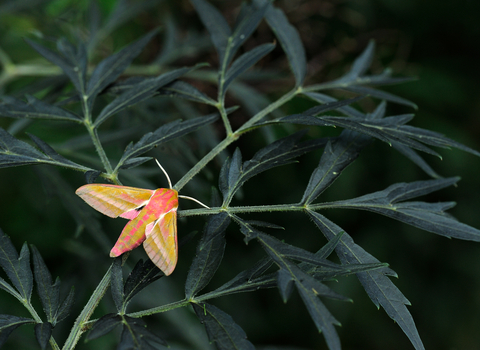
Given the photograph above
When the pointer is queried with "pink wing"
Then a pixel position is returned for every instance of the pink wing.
(113, 200)
(161, 241)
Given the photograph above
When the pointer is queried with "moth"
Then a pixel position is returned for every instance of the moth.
(152, 215)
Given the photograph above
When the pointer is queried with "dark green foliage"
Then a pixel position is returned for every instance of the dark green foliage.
(81, 106)
(17, 267)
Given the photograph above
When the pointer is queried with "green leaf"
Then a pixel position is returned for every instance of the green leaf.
(287, 251)
(116, 284)
(378, 286)
(426, 216)
(309, 289)
(35, 109)
(73, 64)
(49, 292)
(9, 289)
(65, 307)
(336, 157)
(246, 23)
(14, 152)
(184, 90)
(289, 39)
(53, 155)
(134, 162)
(104, 325)
(110, 68)
(244, 62)
(221, 328)
(249, 280)
(367, 91)
(230, 173)
(216, 25)
(135, 335)
(362, 62)
(209, 254)
(43, 332)
(415, 158)
(17, 267)
(142, 275)
(285, 283)
(306, 117)
(278, 153)
(9, 323)
(325, 99)
(322, 318)
(139, 92)
(163, 134)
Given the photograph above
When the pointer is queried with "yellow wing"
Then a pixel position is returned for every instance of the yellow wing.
(113, 200)
(161, 242)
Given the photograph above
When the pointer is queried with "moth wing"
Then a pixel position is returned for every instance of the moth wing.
(113, 200)
(161, 242)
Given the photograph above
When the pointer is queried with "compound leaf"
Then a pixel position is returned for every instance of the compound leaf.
(221, 328)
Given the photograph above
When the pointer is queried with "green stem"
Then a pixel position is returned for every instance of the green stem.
(159, 309)
(37, 318)
(100, 151)
(87, 311)
(246, 209)
(233, 137)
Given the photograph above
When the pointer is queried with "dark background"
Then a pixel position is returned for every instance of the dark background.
(435, 41)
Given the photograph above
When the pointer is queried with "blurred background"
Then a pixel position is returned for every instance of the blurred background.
(436, 42)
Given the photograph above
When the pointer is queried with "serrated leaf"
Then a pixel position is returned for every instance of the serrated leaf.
(325, 99)
(306, 117)
(244, 62)
(309, 290)
(14, 152)
(17, 267)
(165, 133)
(9, 289)
(91, 176)
(415, 158)
(74, 69)
(289, 39)
(184, 90)
(278, 153)
(216, 25)
(49, 292)
(135, 335)
(209, 254)
(362, 62)
(221, 328)
(285, 284)
(378, 286)
(43, 332)
(142, 275)
(322, 318)
(134, 162)
(9, 323)
(104, 325)
(66, 305)
(249, 280)
(35, 109)
(427, 216)
(283, 250)
(367, 91)
(52, 154)
(110, 68)
(230, 172)
(336, 157)
(140, 92)
(116, 284)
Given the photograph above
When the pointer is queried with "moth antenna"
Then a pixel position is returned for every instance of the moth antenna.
(168, 178)
(195, 200)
